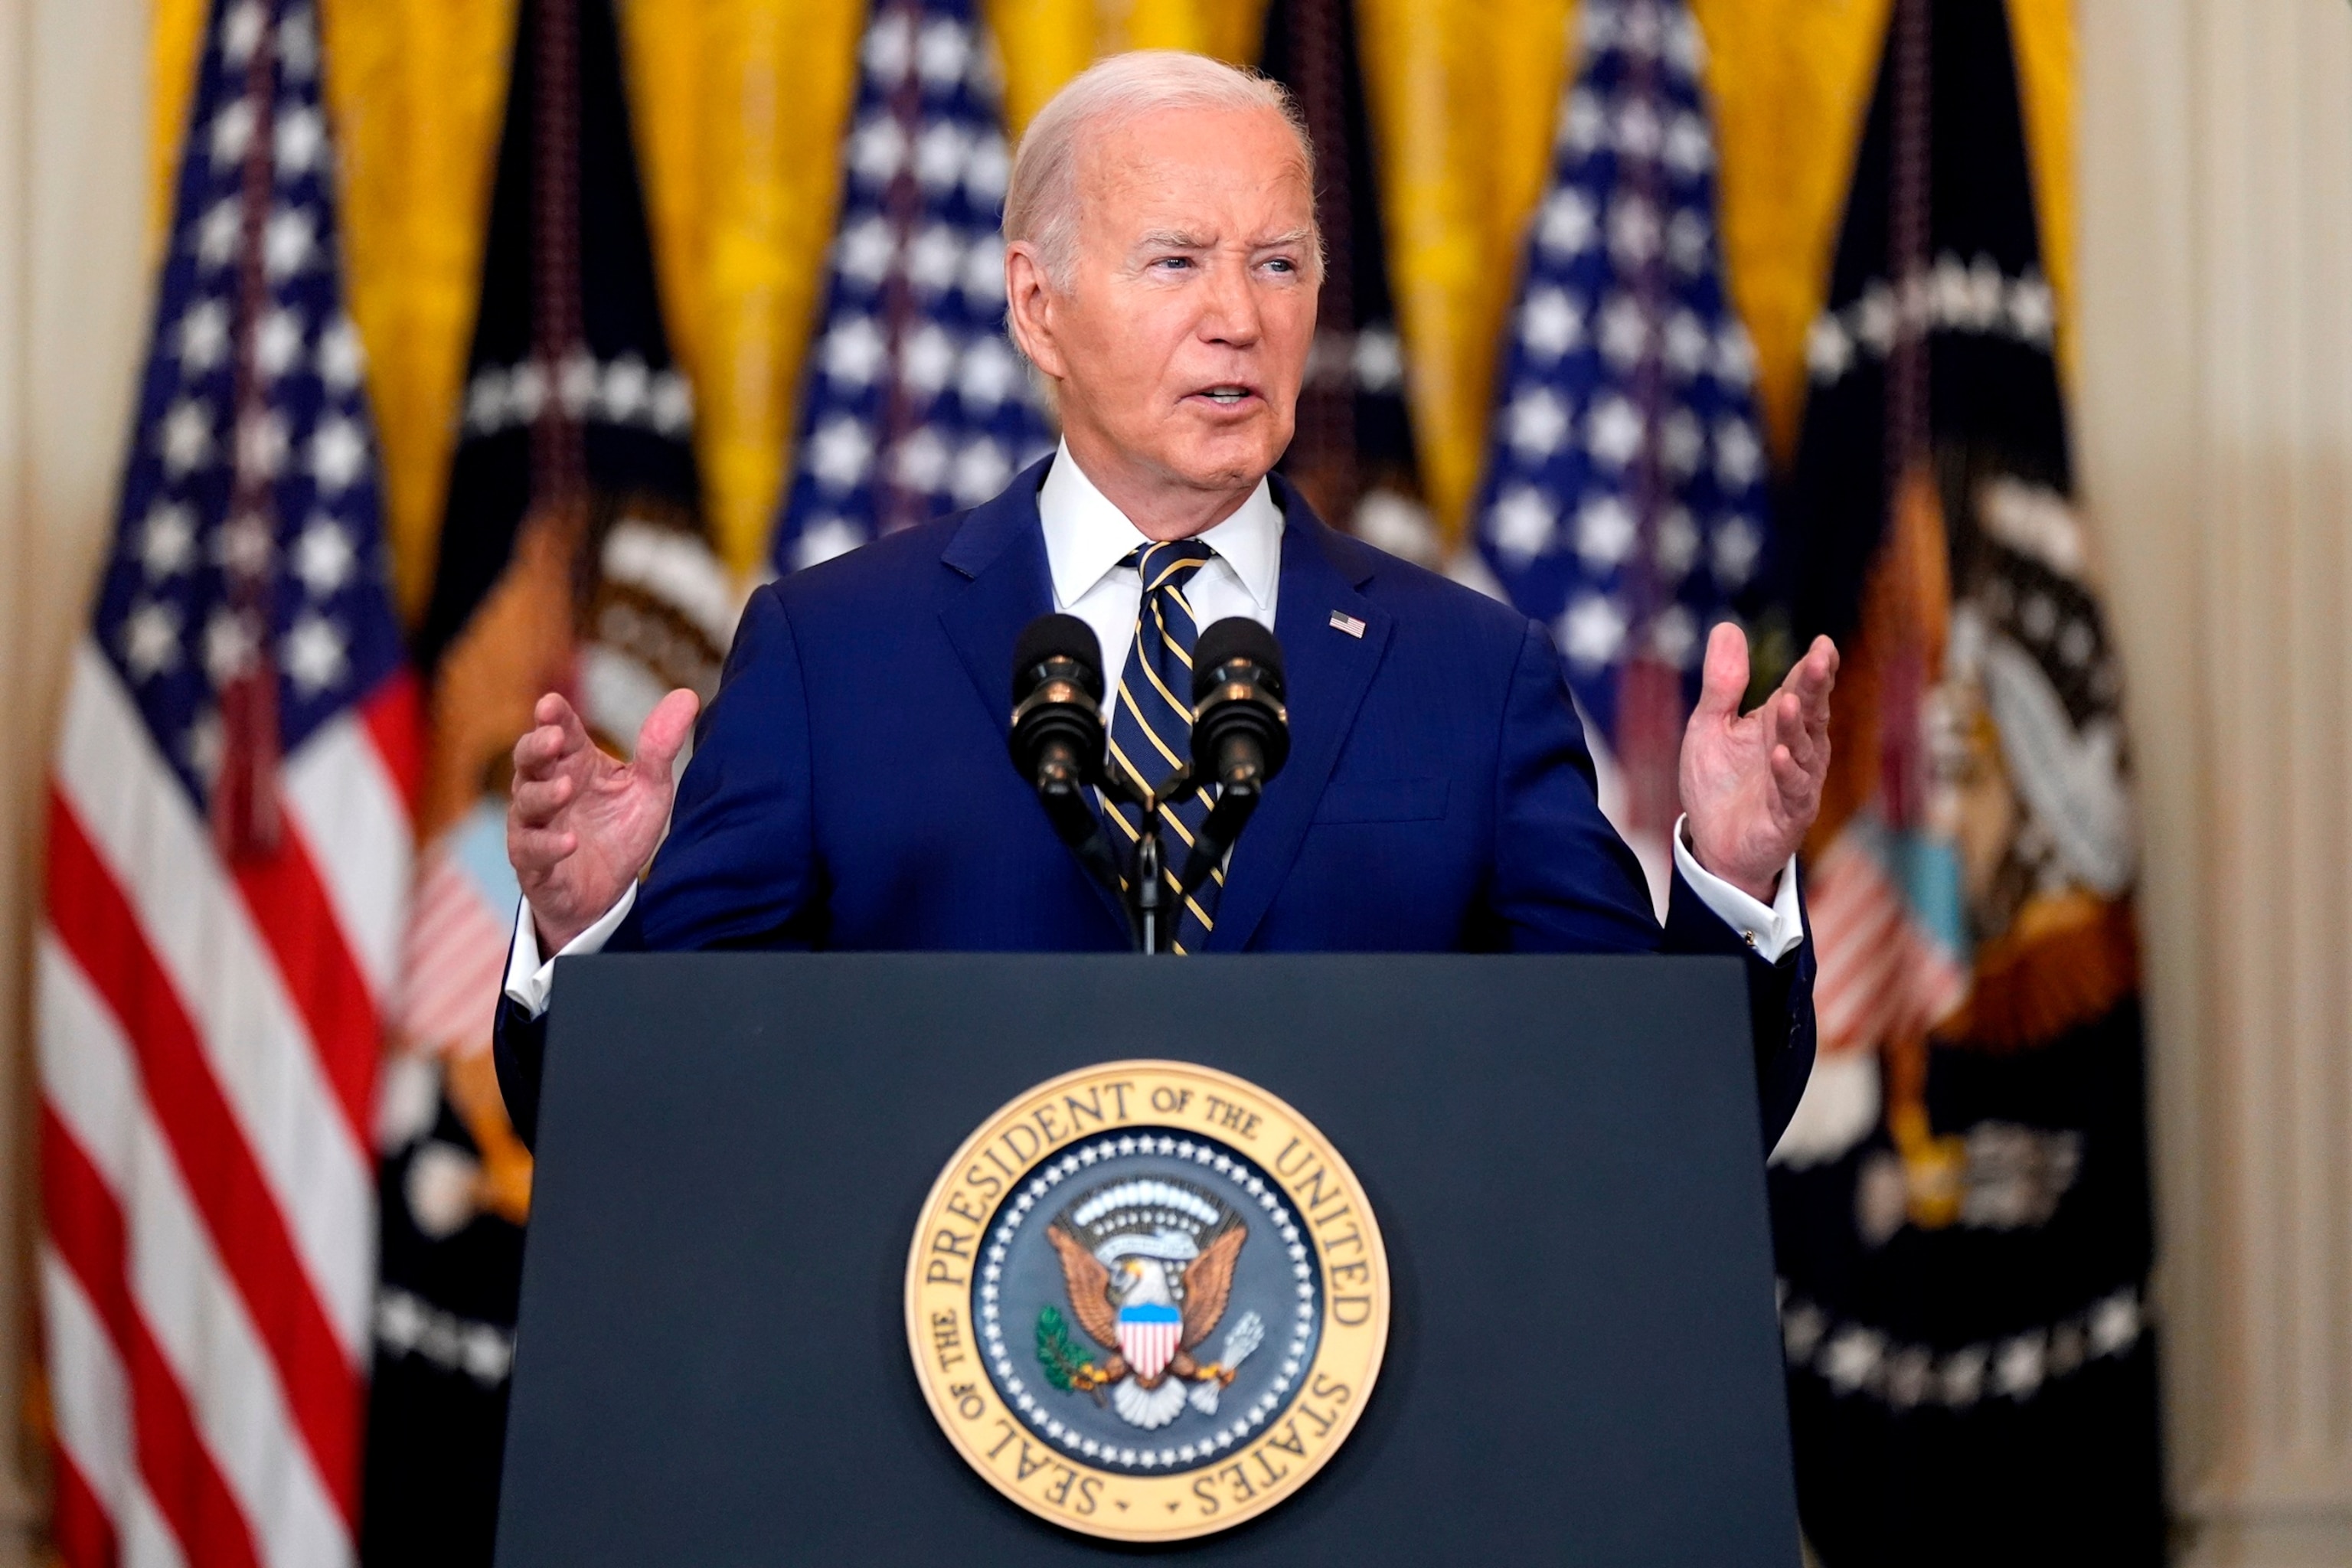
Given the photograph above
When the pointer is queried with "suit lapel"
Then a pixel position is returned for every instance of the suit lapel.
(1327, 671)
(997, 582)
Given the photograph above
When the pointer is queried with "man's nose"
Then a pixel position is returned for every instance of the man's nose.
(1232, 317)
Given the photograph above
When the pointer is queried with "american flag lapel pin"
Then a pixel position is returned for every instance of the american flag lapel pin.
(1346, 623)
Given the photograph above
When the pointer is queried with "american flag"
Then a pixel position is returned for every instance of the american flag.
(229, 856)
(915, 404)
(1624, 499)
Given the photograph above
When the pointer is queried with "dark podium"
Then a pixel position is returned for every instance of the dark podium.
(1583, 1363)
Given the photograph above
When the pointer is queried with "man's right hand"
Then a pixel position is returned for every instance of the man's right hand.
(582, 823)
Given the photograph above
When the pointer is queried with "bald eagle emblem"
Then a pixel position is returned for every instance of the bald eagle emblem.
(1148, 1265)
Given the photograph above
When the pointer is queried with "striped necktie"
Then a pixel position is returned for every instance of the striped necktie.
(1152, 728)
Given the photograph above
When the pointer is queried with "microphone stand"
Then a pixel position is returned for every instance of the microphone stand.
(1063, 794)
(1146, 898)
(1152, 898)
(1057, 738)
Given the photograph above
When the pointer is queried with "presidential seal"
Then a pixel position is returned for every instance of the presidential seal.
(1147, 1301)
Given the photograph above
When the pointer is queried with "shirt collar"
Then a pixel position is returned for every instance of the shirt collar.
(1087, 537)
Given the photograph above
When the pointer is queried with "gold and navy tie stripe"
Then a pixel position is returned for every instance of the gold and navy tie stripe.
(1152, 728)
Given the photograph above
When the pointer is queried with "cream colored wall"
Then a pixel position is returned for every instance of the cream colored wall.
(2215, 426)
(2214, 418)
(73, 307)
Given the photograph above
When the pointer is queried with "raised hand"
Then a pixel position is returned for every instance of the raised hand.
(1751, 784)
(582, 824)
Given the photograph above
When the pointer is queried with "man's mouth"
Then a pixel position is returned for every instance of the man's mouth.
(1228, 394)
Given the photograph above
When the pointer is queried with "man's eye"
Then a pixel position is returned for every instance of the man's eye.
(1174, 261)
(1283, 264)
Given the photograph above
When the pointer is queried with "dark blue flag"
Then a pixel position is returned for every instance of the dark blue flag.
(915, 403)
(1624, 495)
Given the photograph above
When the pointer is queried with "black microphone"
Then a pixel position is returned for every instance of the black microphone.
(1241, 731)
(1057, 739)
(1057, 690)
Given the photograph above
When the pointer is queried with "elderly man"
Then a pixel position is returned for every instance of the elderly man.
(850, 788)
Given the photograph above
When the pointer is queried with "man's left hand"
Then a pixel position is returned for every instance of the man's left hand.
(1751, 782)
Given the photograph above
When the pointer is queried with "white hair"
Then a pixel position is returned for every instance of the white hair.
(1040, 201)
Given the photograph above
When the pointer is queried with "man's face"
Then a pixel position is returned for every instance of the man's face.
(1180, 345)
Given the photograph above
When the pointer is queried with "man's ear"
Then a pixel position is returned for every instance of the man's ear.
(1028, 309)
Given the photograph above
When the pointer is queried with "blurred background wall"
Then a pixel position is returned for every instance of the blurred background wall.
(2208, 221)
(74, 288)
(2215, 418)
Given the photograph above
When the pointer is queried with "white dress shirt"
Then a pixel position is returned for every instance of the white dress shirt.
(1086, 539)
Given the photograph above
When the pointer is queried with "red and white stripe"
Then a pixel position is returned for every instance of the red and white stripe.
(457, 961)
(1149, 1347)
(1881, 975)
(208, 1040)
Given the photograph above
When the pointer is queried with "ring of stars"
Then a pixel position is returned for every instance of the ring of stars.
(1252, 1189)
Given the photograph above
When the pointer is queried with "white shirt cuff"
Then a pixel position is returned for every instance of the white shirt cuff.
(529, 981)
(1773, 933)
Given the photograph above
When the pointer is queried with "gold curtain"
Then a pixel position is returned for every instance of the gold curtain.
(1789, 84)
(739, 106)
(1463, 99)
(1046, 42)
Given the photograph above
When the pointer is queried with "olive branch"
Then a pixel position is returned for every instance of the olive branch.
(1066, 1366)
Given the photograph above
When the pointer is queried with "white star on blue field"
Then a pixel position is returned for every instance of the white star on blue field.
(915, 404)
(168, 616)
(1623, 501)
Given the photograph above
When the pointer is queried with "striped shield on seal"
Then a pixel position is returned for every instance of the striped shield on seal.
(1146, 1337)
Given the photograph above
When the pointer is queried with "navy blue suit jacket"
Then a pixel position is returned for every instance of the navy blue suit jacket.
(850, 787)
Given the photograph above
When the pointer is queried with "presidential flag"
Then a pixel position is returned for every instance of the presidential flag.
(572, 559)
(1352, 455)
(1624, 500)
(229, 859)
(915, 403)
(1961, 1206)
